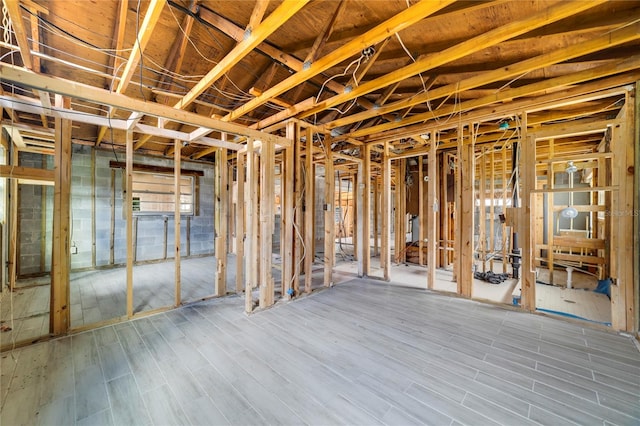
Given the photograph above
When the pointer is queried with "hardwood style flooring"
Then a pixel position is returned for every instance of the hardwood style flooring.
(360, 353)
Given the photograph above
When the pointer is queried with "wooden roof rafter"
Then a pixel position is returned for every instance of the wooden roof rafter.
(142, 39)
(474, 44)
(626, 65)
(626, 34)
(398, 22)
(277, 18)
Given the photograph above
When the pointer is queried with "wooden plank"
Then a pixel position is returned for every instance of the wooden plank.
(444, 211)
(60, 309)
(366, 209)
(636, 218)
(299, 241)
(221, 220)
(267, 182)
(482, 210)
(128, 206)
(275, 20)
(432, 209)
(309, 206)
(398, 22)
(592, 260)
(13, 234)
(376, 217)
(466, 215)
(525, 214)
(287, 212)
(329, 216)
(29, 173)
(93, 94)
(240, 222)
(550, 211)
(177, 221)
(93, 208)
(112, 218)
(324, 35)
(15, 14)
(149, 22)
(251, 238)
(385, 251)
(421, 211)
(492, 211)
(623, 301)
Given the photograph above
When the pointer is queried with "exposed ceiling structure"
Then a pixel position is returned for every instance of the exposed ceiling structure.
(362, 71)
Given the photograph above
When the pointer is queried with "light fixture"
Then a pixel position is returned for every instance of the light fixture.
(569, 212)
(571, 168)
(425, 136)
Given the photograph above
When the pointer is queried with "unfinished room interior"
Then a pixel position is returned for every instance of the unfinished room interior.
(320, 212)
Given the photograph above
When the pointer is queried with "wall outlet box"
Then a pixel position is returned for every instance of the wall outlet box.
(74, 250)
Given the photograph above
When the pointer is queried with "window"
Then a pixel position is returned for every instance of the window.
(153, 193)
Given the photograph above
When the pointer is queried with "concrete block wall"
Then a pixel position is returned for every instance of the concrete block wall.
(150, 229)
(31, 237)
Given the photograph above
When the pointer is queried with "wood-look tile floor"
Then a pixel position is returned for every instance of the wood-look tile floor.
(360, 353)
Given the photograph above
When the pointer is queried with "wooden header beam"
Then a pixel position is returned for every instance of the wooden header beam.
(72, 89)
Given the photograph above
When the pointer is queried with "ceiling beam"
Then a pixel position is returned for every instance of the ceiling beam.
(554, 99)
(402, 20)
(142, 39)
(259, 10)
(15, 14)
(472, 45)
(611, 39)
(277, 18)
(325, 34)
(104, 97)
(510, 94)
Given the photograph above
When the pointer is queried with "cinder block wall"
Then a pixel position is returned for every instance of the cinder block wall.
(150, 241)
(30, 213)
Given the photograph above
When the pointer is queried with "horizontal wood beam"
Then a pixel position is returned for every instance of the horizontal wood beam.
(93, 94)
(28, 173)
(154, 169)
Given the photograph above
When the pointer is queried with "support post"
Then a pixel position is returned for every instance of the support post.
(385, 255)
(240, 237)
(308, 211)
(267, 183)
(465, 225)
(60, 297)
(221, 216)
(527, 226)
(128, 205)
(176, 216)
(421, 212)
(287, 176)
(432, 210)
(251, 238)
(329, 217)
